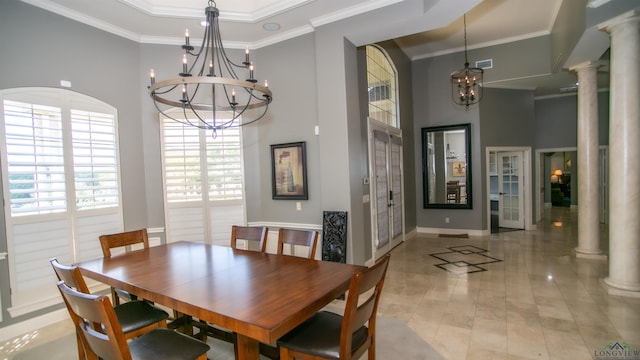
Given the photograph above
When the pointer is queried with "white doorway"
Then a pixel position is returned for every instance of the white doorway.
(386, 187)
(509, 188)
(543, 175)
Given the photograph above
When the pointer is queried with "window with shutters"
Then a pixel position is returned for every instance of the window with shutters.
(203, 182)
(61, 180)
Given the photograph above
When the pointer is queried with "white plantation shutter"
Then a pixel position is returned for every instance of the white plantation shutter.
(182, 168)
(224, 165)
(34, 158)
(95, 159)
(61, 179)
(203, 183)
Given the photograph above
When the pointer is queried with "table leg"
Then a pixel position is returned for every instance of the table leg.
(247, 348)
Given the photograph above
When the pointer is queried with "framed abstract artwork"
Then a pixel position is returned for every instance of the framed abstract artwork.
(289, 171)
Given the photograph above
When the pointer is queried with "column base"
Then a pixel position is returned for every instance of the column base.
(590, 255)
(613, 289)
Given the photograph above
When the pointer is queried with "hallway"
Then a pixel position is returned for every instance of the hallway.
(537, 302)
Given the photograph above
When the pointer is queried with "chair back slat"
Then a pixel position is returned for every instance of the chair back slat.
(294, 237)
(105, 339)
(71, 275)
(256, 234)
(110, 241)
(358, 311)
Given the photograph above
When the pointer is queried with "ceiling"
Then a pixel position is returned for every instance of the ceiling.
(438, 30)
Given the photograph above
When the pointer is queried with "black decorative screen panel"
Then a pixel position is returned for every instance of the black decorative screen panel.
(334, 236)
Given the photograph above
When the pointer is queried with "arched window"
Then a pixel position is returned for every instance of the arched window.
(61, 181)
(382, 86)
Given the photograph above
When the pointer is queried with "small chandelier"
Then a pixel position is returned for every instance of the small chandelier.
(208, 91)
(466, 84)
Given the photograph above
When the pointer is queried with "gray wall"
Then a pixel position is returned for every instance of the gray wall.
(432, 106)
(557, 120)
(292, 117)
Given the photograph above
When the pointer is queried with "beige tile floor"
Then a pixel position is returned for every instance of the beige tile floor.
(538, 302)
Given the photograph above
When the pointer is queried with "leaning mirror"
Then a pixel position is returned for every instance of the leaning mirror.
(446, 166)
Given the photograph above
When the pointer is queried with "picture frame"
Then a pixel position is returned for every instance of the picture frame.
(289, 171)
(459, 169)
(567, 162)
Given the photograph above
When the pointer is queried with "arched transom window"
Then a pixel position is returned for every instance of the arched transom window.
(382, 80)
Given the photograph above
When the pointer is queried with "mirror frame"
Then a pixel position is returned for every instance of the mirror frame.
(468, 178)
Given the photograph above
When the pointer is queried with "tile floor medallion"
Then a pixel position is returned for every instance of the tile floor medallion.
(464, 259)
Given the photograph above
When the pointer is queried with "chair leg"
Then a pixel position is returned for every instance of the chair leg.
(371, 352)
(81, 355)
(285, 355)
(115, 298)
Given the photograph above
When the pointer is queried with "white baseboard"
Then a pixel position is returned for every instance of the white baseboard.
(470, 232)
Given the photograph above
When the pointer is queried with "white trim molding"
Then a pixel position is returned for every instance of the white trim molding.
(469, 232)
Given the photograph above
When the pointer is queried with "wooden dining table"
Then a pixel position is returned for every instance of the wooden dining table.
(258, 296)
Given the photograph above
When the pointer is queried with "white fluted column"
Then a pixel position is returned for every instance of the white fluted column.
(588, 151)
(624, 155)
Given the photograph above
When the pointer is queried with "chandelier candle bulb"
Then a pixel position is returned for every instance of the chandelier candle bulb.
(186, 37)
(184, 64)
(152, 75)
(210, 68)
(246, 57)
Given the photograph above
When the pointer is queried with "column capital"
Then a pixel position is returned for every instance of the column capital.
(589, 64)
(633, 15)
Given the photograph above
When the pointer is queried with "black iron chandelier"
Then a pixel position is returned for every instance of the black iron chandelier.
(466, 84)
(208, 91)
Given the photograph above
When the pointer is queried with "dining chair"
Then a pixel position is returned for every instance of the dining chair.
(255, 234)
(135, 317)
(120, 240)
(95, 317)
(327, 335)
(453, 191)
(294, 237)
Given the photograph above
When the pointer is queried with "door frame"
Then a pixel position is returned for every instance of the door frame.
(526, 183)
(541, 179)
(374, 125)
(542, 183)
(504, 194)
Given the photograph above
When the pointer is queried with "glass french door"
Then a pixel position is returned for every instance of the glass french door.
(510, 190)
(386, 190)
